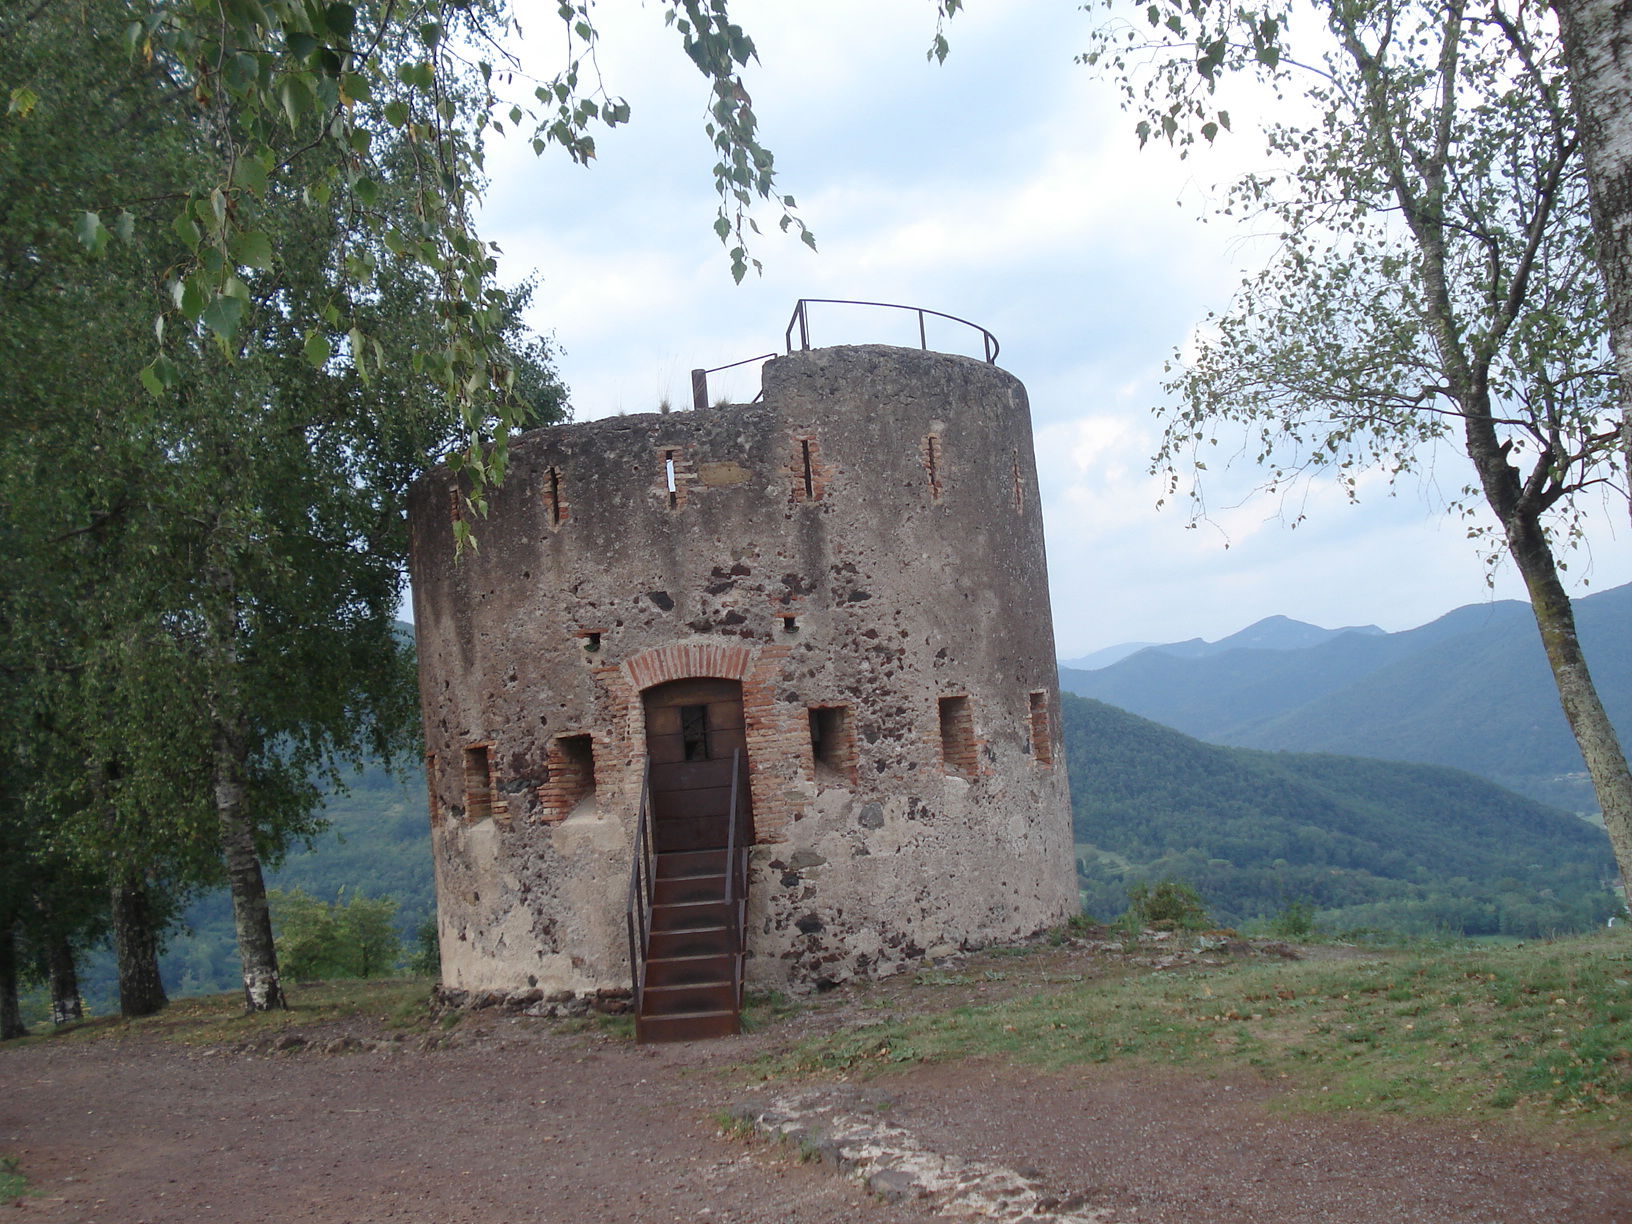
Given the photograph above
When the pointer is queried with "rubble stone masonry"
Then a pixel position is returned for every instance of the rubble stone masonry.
(862, 549)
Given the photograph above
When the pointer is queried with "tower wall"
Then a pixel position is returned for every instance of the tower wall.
(866, 542)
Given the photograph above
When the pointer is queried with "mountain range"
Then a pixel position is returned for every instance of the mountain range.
(1363, 843)
(1470, 690)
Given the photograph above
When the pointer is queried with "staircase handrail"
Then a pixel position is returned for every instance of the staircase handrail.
(736, 882)
(638, 912)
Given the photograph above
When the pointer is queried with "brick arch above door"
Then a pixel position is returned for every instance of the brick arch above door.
(686, 660)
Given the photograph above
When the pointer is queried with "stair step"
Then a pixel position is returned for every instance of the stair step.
(690, 1026)
(677, 863)
(696, 941)
(697, 997)
(674, 890)
(690, 915)
(689, 970)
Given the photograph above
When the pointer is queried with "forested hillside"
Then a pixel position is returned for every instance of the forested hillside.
(1368, 843)
(1470, 690)
(378, 845)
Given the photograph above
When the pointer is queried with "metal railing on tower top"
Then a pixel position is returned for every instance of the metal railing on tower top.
(801, 321)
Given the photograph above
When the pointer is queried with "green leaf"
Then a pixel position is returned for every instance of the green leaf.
(252, 249)
(367, 191)
(297, 98)
(396, 112)
(318, 349)
(90, 231)
(250, 174)
(23, 101)
(341, 19)
(187, 230)
(124, 226)
(191, 298)
(223, 316)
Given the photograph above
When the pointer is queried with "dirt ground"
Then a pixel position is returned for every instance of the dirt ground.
(518, 1120)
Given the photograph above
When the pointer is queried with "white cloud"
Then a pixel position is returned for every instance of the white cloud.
(1005, 187)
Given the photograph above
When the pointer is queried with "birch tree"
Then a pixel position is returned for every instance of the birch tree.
(1598, 55)
(1434, 284)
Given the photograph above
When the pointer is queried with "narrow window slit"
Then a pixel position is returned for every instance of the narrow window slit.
(810, 483)
(1019, 486)
(932, 461)
(431, 787)
(957, 736)
(668, 475)
(555, 497)
(1042, 731)
(478, 783)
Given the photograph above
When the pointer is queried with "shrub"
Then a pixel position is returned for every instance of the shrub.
(1168, 903)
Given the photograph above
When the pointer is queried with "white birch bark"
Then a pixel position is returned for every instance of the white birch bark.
(1598, 53)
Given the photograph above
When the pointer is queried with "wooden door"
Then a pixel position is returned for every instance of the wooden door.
(693, 729)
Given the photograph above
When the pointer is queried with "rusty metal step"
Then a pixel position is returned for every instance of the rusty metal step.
(693, 997)
(689, 970)
(689, 915)
(678, 890)
(696, 941)
(691, 1026)
(676, 863)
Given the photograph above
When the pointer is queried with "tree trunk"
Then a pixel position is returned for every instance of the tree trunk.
(1594, 733)
(1598, 55)
(251, 915)
(11, 1012)
(66, 1006)
(136, 947)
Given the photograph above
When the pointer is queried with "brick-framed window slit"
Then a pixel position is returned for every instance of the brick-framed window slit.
(555, 500)
(433, 798)
(1042, 730)
(958, 748)
(1019, 486)
(478, 782)
(933, 462)
(833, 742)
(570, 760)
(805, 471)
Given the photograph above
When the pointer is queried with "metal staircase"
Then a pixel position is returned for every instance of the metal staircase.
(688, 892)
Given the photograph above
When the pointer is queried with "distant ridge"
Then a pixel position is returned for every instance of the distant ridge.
(1271, 633)
(1469, 690)
(1366, 842)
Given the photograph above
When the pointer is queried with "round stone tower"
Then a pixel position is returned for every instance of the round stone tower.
(840, 587)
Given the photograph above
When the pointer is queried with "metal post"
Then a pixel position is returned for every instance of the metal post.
(923, 341)
(699, 389)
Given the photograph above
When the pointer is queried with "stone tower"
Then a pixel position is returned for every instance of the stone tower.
(840, 586)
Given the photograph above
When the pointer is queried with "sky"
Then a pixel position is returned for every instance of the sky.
(1005, 187)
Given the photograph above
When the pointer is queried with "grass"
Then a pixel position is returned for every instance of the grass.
(215, 1019)
(1542, 1031)
(13, 1185)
